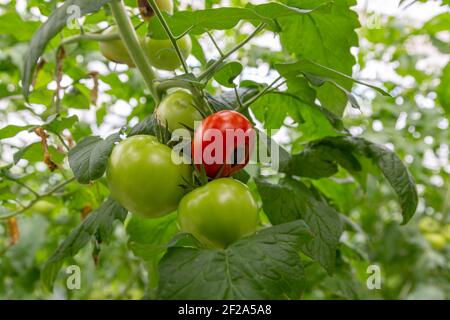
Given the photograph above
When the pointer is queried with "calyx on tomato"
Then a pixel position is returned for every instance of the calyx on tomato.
(223, 143)
(219, 213)
(145, 177)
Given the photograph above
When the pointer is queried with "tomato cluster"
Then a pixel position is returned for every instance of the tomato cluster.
(147, 178)
(150, 180)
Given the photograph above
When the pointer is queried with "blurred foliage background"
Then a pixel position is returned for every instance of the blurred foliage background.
(407, 55)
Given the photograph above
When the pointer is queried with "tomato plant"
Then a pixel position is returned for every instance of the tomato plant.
(344, 169)
(219, 213)
(223, 143)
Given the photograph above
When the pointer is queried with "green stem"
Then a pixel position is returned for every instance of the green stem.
(169, 33)
(90, 36)
(38, 197)
(259, 95)
(214, 43)
(207, 73)
(131, 41)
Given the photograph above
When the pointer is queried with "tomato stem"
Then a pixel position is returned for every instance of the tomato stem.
(208, 72)
(131, 41)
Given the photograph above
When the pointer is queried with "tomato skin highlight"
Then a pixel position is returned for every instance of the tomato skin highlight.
(219, 213)
(143, 178)
(225, 122)
(178, 111)
(162, 54)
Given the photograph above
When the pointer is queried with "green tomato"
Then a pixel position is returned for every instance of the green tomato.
(219, 213)
(178, 111)
(143, 177)
(428, 224)
(163, 56)
(115, 50)
(43, 206)
(147, 11)
(436, 240)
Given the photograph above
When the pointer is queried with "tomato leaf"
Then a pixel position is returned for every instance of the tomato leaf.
(387, 161)
(149, 237)
(200, 21)
(89, 158)
(54, 24)
(100, 221)
(326, 38)
(228, 73)
(291, 200)
(12, 130)
(443, 91)
(263, 266)
(229, 101)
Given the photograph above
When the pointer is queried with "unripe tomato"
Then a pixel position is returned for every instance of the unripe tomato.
(143, 177)
(115, 50)
(147, 11)
(178, 111)
(43, 206)
(436, 240)
(163, 56)
(223, 143)
(219, 213)
(428, 224)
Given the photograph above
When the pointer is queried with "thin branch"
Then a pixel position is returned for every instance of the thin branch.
(24, 185)
(62, 141)
(214, 42)
(260, 94)
(238, 99)
(169, 33)
(219, 61)
(39, 197)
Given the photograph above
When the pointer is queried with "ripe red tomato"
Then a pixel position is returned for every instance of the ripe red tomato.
(223, 143)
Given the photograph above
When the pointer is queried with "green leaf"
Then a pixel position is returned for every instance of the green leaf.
(223, 18)
(34, 153)
(101, 220)
(149, 237)
(443, 90)
(291, 200)
(11, 130)
(57, 124)
(147, 127)
(308, 67)
(263, 266)
(228, 73)
(89, 158)
(50, 28)
(320, 161)
(387, 161)
(229, 101)
(326, 38)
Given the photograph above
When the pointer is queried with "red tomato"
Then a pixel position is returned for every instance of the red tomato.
(223, 143)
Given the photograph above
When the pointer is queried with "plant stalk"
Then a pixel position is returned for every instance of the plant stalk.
(131, 41)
